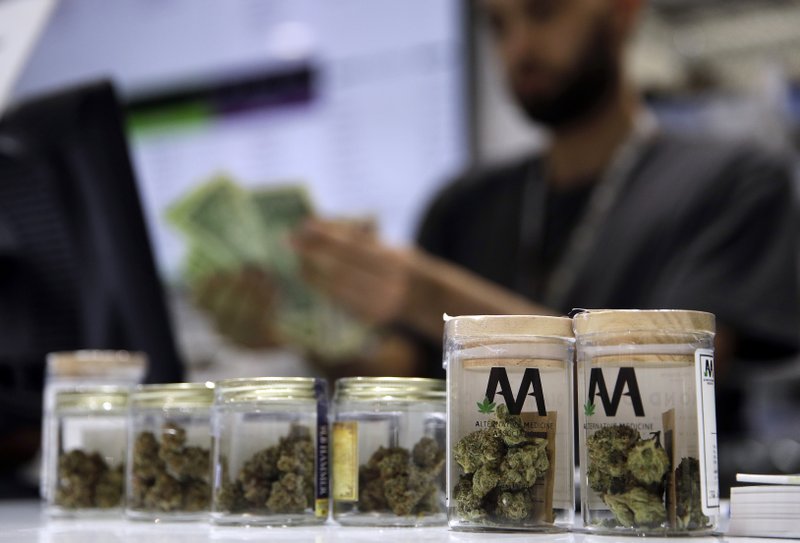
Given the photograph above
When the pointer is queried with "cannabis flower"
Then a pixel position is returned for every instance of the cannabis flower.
(403, 482)
(276, 479)
(169, 475)
(637, 507)
(85, 480)
(501, 465)
(629, 473)
(689, 510)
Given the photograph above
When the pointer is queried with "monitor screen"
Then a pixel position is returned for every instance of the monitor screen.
(363, 101)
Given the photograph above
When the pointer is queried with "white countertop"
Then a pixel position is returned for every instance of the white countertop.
(24, 522)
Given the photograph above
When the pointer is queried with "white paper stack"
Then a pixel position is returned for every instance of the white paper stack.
(769, 509)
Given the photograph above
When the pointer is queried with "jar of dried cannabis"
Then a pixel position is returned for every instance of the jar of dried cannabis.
(388, 452)
(168, 472)
(647, 422)
(86, 461)
(72, 370)
(270, 452)
(510, 429)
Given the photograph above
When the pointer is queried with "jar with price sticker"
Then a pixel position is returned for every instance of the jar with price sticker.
(648, 451)
(270, 452)
(388, 452)
(510, 429)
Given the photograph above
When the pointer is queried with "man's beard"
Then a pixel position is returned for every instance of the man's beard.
(585, 88)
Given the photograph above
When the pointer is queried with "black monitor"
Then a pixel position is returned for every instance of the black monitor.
(76, 267)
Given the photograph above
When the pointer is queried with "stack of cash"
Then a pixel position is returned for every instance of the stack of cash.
(239, 265)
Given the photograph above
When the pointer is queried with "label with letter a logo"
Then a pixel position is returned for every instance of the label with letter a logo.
(530, 385)
(539, 392)
(625, 385)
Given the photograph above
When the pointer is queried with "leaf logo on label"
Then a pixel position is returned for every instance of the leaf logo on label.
(486, 407)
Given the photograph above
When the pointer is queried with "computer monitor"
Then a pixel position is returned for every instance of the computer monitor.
(76, 267)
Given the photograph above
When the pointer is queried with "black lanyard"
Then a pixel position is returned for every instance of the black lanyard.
(605, 194)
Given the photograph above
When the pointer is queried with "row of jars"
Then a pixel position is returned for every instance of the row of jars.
(255, 451)
(251, 451)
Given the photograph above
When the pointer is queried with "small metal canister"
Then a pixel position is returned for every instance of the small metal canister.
(270, 452)
(168, 471)
(510, 426)
(647, 422)
(86, 459)
(388, 451)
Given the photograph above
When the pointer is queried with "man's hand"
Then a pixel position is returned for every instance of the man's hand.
(382, 284)
(348, 263)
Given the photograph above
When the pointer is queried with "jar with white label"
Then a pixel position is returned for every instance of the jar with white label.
(86, 462)
(388, 451)
(270, 452)
(510, 428)
(647, 434)
(73, 370)
(168, 472)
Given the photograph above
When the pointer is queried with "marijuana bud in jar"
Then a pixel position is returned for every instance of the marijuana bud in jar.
(404, 482)
(278, 479)
(689, 512)
(501, 466)
(170, 475)
(629, 473)
(85, 480)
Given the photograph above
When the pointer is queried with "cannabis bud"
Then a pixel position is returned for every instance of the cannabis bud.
(406, 483)
(501, 466)
(689, 512)
(277, 479)
(169, 475)
(629, 473)
(85, 481)
(637, 507)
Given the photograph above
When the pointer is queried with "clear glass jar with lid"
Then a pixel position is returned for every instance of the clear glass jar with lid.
(388, 451)
(647, 422)
(168, 472)
(510, 428)
(270, 452)
(72, 370)
(86, 460)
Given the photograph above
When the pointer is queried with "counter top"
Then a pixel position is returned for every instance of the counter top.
(24, 522)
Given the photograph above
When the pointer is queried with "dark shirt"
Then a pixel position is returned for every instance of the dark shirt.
(698, 225)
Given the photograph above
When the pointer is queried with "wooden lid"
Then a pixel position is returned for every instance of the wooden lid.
(507, 326)
(635, 320)
(97, 363)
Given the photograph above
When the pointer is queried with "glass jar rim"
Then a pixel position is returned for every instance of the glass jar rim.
(172, 395)
(255, 389)
(96, 398)
(389, 388)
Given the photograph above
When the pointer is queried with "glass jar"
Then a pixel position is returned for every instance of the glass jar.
(86, 461)
(647, 422)
(270, 452)
(510, 426)
(168, 472)
(388, 452)
(71, 370)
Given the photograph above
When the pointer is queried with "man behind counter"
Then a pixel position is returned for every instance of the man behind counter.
(614, 214)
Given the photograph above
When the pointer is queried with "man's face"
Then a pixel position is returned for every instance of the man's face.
(561, 57)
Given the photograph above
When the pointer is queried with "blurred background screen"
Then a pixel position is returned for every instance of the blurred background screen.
(363, 101)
